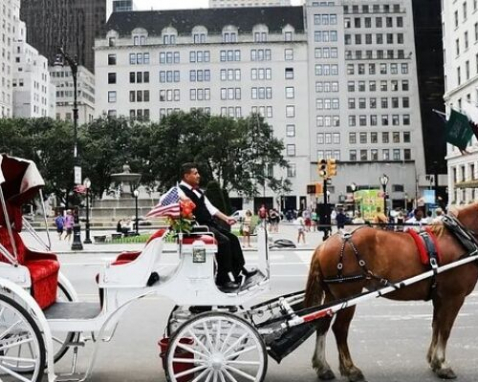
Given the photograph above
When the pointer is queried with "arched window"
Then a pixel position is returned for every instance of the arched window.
(139, 36)
(288, 32)
(260, 33)
(199, 34)
(229, 34)
(112, 37)
(169, 35)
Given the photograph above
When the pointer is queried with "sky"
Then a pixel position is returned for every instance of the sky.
(179, 4)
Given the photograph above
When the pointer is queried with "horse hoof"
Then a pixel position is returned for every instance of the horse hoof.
(447, 373)
(327, 375)
(357, 376)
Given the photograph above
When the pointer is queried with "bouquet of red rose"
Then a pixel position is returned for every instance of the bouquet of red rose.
(185, 221)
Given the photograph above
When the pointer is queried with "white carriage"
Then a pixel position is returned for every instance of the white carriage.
(37, 326)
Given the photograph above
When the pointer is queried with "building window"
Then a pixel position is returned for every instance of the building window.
(289, 73)
(291, 170)
(111, 78)
(289, 54)
(289, 93)
(290, 149)
(111, 59)
(290, 111)
(290, 130)
(111, 97)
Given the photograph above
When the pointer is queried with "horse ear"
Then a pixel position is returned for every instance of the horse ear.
(453, 211)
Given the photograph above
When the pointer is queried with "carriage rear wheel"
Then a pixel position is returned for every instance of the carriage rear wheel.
(216, 347)
(22, 346)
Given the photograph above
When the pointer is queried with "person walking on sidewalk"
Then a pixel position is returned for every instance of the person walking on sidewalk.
(59, 223)
(69, 222)
(247, 228)
(300, 223)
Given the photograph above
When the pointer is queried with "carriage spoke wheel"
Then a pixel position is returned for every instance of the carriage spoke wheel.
(22, 349)
(216, 347)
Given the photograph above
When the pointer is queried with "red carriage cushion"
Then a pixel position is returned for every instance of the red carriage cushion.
(43, 267)
(207, 239)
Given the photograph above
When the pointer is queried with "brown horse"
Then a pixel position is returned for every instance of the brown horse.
(392, 256)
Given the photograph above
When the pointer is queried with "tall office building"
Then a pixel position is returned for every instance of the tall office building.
(9, 17)
(335, 79)
(70, 24)
(247, 3)
(460, 36)
(31, 83)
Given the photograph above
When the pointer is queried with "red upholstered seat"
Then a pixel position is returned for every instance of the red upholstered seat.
(126, 257)
(43, 267)
(207, 239)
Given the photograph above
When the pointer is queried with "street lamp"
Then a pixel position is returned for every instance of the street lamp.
(76, 245)
(384, 181)
(353, 187)
(87, 184)
(136, 194)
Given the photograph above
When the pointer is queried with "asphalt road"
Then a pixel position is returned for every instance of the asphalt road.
(388, 339)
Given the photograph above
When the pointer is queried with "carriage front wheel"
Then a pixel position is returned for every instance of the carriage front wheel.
(21, 344)
(217, 347)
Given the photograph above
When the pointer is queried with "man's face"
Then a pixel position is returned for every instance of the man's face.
(192, 177)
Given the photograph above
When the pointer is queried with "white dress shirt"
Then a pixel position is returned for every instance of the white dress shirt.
(212, 210)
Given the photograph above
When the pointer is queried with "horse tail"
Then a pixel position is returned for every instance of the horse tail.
(314, 292)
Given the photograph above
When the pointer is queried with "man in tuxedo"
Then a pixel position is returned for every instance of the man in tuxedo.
(230, 259)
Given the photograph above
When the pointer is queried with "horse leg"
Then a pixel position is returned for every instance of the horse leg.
(341, 331)
(319, 361)
(433, 344)
(445, 314)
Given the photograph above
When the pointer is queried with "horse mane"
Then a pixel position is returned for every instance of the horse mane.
(438, 229)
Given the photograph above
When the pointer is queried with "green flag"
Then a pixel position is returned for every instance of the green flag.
(458, 130)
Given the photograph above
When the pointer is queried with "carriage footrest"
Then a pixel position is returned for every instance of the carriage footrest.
(289, 341)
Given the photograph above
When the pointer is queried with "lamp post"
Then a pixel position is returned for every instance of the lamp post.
(76, 245)
(384, 181)
(87, 184)
(136, 194)
(353, 187)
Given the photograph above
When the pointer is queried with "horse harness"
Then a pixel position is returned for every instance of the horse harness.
(464, 236)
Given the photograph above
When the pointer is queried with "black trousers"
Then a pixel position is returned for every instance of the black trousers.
(229, 255)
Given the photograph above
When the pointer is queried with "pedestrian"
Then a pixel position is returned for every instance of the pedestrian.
(438, 216)
(300, 223)
(262, 213)
(69, 222)
(59, 223)
(314, 217)
(380, 220)
(231, 271)
(247, 229)
(341, 219)
(274, 219)
(416, 221)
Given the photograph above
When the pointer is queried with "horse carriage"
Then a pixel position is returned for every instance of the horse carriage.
(41, 317)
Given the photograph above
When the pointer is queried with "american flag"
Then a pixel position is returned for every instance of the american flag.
(169, 206)
(80, 189)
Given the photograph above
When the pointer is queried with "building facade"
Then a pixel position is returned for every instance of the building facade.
(9, 17)
(247, 3)
(460, 36)
(72, 25)
(30, 80)
(335, 79)
(63, 82)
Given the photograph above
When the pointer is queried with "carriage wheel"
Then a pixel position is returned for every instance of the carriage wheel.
(21, 344)
(60, 339)
(216, 347)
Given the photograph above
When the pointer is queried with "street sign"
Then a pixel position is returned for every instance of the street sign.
(77, 177)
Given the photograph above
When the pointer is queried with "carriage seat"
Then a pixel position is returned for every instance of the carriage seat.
(206, 239)
(43, 268)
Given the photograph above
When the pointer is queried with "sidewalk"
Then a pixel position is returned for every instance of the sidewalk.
(286, 231)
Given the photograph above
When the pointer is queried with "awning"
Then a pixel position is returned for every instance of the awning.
(467, 184)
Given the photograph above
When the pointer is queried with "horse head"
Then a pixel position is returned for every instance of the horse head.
(468, 216)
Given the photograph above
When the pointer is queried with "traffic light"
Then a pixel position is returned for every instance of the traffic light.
(323, 168)
(331, 167)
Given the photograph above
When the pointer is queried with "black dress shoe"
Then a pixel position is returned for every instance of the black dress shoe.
(228, 286)
(247, 273)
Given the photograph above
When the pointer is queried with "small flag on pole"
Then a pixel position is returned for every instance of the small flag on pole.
(168, 205)
(458, 129)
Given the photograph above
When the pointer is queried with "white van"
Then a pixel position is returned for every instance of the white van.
(239, 215)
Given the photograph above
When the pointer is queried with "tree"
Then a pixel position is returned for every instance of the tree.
(215, 195)
(233, 152)
(108, 144)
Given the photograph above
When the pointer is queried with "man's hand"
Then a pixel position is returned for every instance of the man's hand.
(230, 220)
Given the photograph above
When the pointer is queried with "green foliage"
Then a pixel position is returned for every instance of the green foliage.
(215, 195)
(235, 153)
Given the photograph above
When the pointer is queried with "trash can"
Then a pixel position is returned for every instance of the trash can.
(178, 367)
